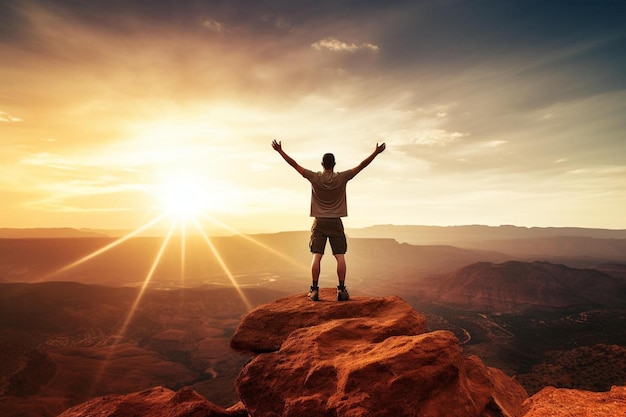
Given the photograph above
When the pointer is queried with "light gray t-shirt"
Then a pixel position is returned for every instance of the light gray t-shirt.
(328, 192)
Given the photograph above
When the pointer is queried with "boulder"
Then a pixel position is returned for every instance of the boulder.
(154, 402)
(560, 402)
(265, 328)
(366, 357)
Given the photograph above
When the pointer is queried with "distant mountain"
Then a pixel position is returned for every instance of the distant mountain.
(553, 248)
(452, 235)
(571, 245)
(513, 286)
(42, 232)
(280, 260)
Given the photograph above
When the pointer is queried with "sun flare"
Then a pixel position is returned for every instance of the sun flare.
(184, 197)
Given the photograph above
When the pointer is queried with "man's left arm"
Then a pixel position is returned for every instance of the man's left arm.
(379, 149)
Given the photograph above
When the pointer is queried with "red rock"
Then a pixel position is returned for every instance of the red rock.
(365, 357)
(514, 286)
(265, 328)
(154, 402)
(560, 402)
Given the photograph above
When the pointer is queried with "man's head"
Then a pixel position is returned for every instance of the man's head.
(328, 161)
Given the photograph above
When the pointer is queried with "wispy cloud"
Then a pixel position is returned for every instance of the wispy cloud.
(437, 137)
(50, 160)
(7, 118)
(217, 27)
(278, 21)
(335, 45)
(492, 143)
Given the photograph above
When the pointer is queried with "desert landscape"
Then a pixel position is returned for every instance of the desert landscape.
(99, 328)
(168, 168)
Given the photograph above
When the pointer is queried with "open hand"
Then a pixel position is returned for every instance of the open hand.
(277, 145)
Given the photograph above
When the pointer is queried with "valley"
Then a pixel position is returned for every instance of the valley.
(74, 326)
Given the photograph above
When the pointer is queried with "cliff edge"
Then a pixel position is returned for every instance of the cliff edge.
(366, 357)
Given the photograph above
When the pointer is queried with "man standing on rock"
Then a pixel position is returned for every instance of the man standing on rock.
(328, 206)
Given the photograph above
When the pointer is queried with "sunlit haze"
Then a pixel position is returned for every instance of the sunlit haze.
(113, 113)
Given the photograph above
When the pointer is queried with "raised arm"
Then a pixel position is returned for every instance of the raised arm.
(279, 148)
(379, 149)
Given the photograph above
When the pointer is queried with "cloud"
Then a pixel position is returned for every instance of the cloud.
(437, 137)
(335, 45)
(217, 27)
(278, 22)
(50, 160)
(7, 118)
(492, 143)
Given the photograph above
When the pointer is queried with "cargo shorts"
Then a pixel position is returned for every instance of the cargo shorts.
(328, 229)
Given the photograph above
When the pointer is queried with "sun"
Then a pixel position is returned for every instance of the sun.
(184, 196)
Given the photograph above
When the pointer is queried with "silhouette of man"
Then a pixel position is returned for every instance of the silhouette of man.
(328, 206)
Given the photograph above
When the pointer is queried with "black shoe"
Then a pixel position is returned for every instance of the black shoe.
(314, 294)
(342, 293)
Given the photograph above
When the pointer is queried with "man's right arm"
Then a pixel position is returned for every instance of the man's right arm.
(279, 148)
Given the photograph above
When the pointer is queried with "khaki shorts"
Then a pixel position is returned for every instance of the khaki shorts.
(331, 229)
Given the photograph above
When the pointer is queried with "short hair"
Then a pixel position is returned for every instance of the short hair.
(328, 160)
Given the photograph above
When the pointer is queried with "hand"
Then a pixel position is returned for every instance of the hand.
(380, 148)
(277, 146)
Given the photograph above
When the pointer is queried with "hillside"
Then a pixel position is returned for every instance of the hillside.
(44, 232)
(280, 259)
(513, 286)
(64, 342)
(337, 358)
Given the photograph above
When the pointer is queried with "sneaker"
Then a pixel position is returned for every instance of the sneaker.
(314, 294)
(342, 293)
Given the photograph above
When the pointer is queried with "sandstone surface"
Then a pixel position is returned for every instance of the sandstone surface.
(265, 328)
(367, 357)
(558, 402)
(363, 358)
(154, 402)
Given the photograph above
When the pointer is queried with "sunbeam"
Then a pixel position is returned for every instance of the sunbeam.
(146, 281)
(223, 265)
(256, 242)
(117, 339)
(104, 249)
(183, 256)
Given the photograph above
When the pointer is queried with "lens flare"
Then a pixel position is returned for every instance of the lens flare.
(146, 281)
(181, 218)
(223, 265)
(256, 242)
(105, 248)
(119, 337)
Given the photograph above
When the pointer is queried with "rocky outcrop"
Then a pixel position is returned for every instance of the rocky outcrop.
(154, 402)
(554, 402)
(366, 357)
(266, 328)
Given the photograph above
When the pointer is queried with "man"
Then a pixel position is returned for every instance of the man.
(328, 206)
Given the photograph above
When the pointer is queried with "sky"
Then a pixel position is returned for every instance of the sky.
(493, 112)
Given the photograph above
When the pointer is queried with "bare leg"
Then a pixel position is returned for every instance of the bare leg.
(315, 268)
(341, 269)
